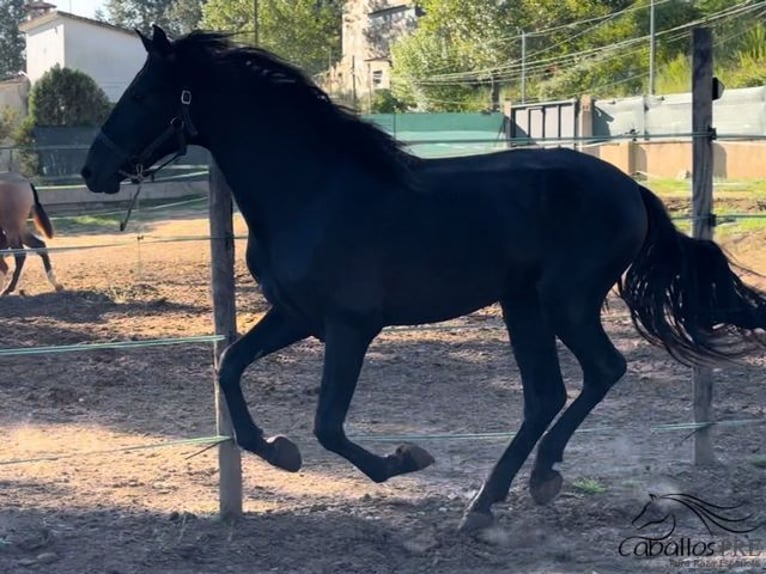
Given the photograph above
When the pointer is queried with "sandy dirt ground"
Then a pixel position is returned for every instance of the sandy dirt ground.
(155, 511)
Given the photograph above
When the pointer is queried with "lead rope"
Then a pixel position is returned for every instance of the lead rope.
(131, 205)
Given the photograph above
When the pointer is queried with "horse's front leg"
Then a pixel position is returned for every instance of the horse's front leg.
(345, 347)
(272, 333)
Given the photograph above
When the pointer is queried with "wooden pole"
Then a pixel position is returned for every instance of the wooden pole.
(255, 22)
(523, 67)
(702, 208)
(353, 82)
(652, 48)
(508, 117)
(225, 322)
(585, 121)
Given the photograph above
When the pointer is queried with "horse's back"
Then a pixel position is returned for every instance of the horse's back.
(548, 194)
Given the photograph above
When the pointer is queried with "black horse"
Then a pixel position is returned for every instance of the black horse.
(350, 233)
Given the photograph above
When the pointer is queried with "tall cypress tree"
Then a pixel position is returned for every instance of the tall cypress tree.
(11, 40)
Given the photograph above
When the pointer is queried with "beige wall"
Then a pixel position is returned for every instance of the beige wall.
(732, 160)
(14, 94)
(366, 39)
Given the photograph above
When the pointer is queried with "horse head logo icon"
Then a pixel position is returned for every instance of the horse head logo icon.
(662, 509)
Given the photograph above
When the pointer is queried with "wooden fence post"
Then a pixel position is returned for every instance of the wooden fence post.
(225, 322)
(508, 125)
(584, 121)
(702, 211)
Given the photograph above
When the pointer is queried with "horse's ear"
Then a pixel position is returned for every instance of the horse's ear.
(160, 41)
(144, 40)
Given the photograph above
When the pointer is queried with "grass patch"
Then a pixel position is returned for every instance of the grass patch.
(87, 223)
(730, 199)
(107, 218)
(755, 188)
(589, 486)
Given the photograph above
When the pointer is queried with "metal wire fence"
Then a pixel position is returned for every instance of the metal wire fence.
(167, 210)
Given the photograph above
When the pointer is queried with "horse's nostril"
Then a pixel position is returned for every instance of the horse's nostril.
(86, 173)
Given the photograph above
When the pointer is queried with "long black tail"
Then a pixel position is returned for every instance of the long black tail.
(42, 221)
(684, 296)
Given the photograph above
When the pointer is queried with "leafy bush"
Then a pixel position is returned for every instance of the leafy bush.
(8, 120)
(66, 97)
(384, 102)
(62, 97)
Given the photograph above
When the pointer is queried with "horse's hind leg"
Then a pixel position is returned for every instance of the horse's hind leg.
(345, 347)
(534, 346)
(3, 264)
(3, 269)
(36, 243)
(578, 325)
(20, 258)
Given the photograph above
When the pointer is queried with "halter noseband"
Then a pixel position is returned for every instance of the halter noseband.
(180, 127)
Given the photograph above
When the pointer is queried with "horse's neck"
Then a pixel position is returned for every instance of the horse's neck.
(270, 180)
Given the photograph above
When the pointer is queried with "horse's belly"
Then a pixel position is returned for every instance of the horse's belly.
(426, 294)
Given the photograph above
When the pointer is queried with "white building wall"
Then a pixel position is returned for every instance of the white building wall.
(112, 58)
(45, 49)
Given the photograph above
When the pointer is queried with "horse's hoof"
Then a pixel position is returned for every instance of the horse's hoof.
(474, 521)
(413, 458)
(59, 287)
(284, 453)
(546, 487)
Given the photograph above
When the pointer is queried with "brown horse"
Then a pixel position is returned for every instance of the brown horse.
(18, 198)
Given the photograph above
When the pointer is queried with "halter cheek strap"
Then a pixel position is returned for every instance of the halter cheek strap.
(180, 127)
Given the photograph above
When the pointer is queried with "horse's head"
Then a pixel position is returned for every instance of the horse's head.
(654, 512)
(149, 122)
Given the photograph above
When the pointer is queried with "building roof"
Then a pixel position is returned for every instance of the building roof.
(51, 16)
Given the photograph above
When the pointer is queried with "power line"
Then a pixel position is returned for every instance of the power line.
(738, 10)
(600, 20)
(510, 71)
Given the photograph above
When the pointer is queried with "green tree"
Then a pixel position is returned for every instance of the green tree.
(384, 102)
(66, 97)
(175, 16)
(11, 40)
(461, 48)
(8, 120)
(62, 97)
(304, 32)
(185, 15)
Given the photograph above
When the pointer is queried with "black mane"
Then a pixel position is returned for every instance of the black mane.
(253, 68)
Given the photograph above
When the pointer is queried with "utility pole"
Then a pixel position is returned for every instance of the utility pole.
(353, 81)
(523, 66)
(652, 46)
(255, 22)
